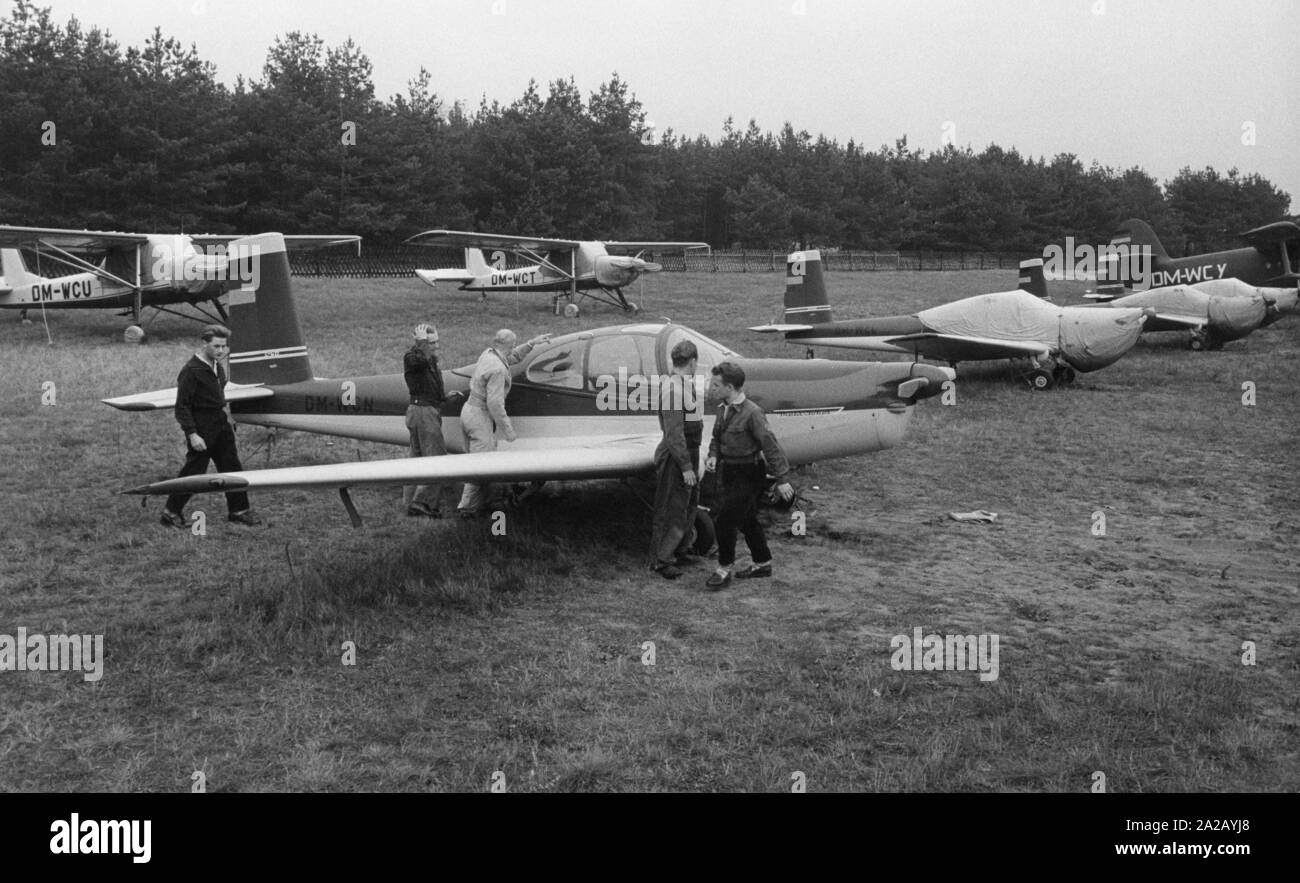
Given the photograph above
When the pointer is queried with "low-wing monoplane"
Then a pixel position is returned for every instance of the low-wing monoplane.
(1213, 312)
(567, 267)
(1271, 259)
(582, 404)
(127, 271)
(1048, 342)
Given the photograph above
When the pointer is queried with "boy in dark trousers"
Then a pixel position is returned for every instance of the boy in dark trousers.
(745, 450)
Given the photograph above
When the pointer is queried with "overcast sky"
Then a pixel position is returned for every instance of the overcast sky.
(1159, 84)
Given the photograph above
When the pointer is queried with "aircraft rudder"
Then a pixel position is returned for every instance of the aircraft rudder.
(266, 338)
(1136, 234)
(1032, 278)
(805, 289)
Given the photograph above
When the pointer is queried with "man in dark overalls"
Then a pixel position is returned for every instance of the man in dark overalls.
(676, 460)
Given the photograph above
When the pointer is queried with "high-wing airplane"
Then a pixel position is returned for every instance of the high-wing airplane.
(1051, 342)
(580, 403)
(1270, 260)
(128, 271)
(599, 270)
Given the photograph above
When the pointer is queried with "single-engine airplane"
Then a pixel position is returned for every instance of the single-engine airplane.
(1270, 260)
(1051, 343)
(1213, 312)
(128, 271)
(599, 270)
(574, 402)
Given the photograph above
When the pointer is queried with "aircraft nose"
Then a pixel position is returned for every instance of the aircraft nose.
(1234, 317)
(1092, 339)
(1280, 302)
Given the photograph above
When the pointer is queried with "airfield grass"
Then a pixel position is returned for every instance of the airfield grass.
(524, 654)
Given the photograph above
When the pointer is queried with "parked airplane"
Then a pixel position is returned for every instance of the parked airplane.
(1214, 312)
(1052, 342)
(128, 271)
(572, 402)
(1271, 260)
(564, 266)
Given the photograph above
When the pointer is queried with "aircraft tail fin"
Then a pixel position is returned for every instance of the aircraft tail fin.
(15, 271)
(266, 340)
(805, 290)
(1032, 278)
(475, 263)
(1138, 234)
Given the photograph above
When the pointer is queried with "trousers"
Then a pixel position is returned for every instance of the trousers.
(674, 516)
(480, 435)
(741, 485)
(220, 440)
(424, 423)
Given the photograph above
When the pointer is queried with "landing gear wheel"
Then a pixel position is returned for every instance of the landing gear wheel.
(133, 334)
(1040, 378)
(1198, 340)
(571, 311)
(1063, 375)
(633, 307)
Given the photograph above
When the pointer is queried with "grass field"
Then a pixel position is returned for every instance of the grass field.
(523, 655)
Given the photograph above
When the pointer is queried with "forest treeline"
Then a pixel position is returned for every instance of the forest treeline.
(94, 135)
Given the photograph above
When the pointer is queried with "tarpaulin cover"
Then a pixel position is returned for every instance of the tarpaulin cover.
(1092, 339)
(1228, 288)
(1233, 317)
(1009, 315)
(1180, 300)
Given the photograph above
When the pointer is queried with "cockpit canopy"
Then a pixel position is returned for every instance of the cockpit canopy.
(577, 361)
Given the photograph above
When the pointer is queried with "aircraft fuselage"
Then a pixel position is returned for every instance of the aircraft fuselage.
(818, 408)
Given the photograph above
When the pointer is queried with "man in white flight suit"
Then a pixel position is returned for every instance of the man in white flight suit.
(484, 411)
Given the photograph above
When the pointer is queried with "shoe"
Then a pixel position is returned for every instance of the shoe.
(171, 519)
(755, 571)
(667, 571)
(422, 510)
(248, 517)
(687, 558)
(718, 581)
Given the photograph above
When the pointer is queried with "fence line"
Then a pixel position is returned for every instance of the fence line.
(402, 261)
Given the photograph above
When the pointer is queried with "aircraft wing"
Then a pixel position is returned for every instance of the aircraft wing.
(294, 243)
(771, 329)
(68, 240)
(462, 239)
(165, 399)
(959, 348)
(1186, 321)
(1272, 234)
(598, 459)
(612, 247)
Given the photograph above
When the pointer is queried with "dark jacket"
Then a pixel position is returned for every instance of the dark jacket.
(741, 433)
(423, 376)
(200, 397)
